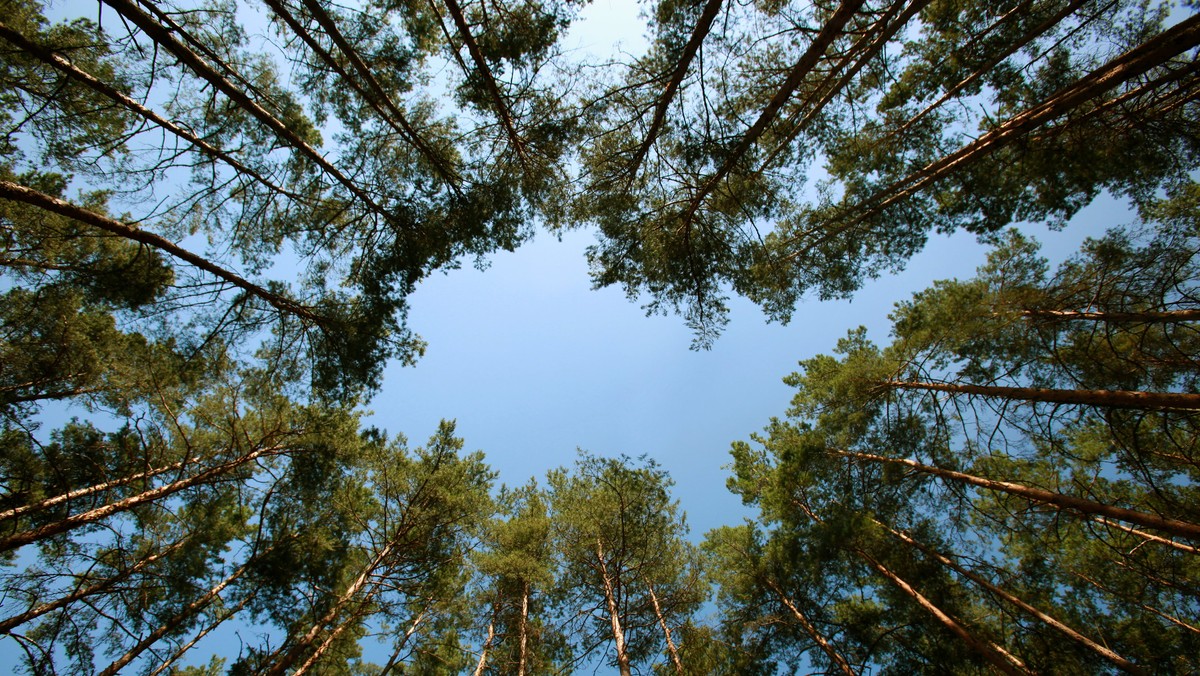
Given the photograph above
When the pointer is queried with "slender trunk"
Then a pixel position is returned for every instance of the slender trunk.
(1070, 633)
(1058, 500)
(1170, 618)
(662, 622)
(377, 98)
(610, 599)
(20, 193)
(491, 635)
(1103, 398)
(95, 515)
(1147, 317)
(201, 634)
(98, 588)
(412, 629)
(489, 81)
(173, 623)
(91, 490)
(876, 45)
(1134, 63)
(811, 629)
(522, 629)
(64, 65)
(703, 26)
(996, 655)
(164, 36)
(305, 641)
(1147, 536)
(832, 29)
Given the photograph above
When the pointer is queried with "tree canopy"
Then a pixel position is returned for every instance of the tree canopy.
(213, 215)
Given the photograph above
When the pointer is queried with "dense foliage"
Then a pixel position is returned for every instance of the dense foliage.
(207, 244)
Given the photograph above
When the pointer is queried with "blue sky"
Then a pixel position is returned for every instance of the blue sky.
(533, 363)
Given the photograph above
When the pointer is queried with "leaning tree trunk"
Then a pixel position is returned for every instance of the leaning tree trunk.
(1147, 317)
(523, 629)
(1058, 625)
(662, 622)
(1058, 500)
(610, 599)
(811, 629)
(994, 654)
(1102, 398)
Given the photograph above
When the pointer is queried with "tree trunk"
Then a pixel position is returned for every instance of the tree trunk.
(1170, 618)
(610, 599)
(1147, 317)
(65, 66)
(90, 490)
(310, 636)
(1102, 398)
(811, 629)
(173, 623)
(95, 515)
(183, 649)
(491, 634)
(20, 193)
(412, 629)
(703, 26)
(1080, 505)
(662, 622)
(994, 654)
(1147, 536)
(1070, 633)
(523, 629)
(98, 588)
(163, 34)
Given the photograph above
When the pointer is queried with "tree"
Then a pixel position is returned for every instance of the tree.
(985, 511)
(625, 576)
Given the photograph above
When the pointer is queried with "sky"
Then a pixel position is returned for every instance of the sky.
(533, 363)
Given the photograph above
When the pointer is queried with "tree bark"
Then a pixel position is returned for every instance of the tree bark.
(98, 588)
(994, 654)
(165, 38)
(1070, 633)
(487, 643)
(1103, 398)
(1147, 317)
(63, 64)
(610, 600)
(523, 630)
(703, 26)
(811, 629)
(290, 657)
(46, 503)
(662, 622)
(174, 623)
(95, 515)
(20, 193)
(1058, 500)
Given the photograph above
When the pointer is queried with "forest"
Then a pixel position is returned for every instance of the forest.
(210, 235)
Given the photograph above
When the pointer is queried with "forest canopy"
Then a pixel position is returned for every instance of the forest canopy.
(209, 236)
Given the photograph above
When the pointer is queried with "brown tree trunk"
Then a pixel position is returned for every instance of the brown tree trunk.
(811, 629)
(487, 643)
(20, 193)
(1103, 398)
(996, 655)
(164, 36)
(1070, 633)
(91, 590)
(523, 629)
(173, 623)
(412, 629)
(303, 643)
(95, 515)
(662, 622)
(1147, 536)
(1147, 317)
(183, 649)
(610, 599)
(1058, 500)
(64, 65)
(91, 490)
(703, 26)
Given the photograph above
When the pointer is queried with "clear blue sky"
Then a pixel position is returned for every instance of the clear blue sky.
(533, 363)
